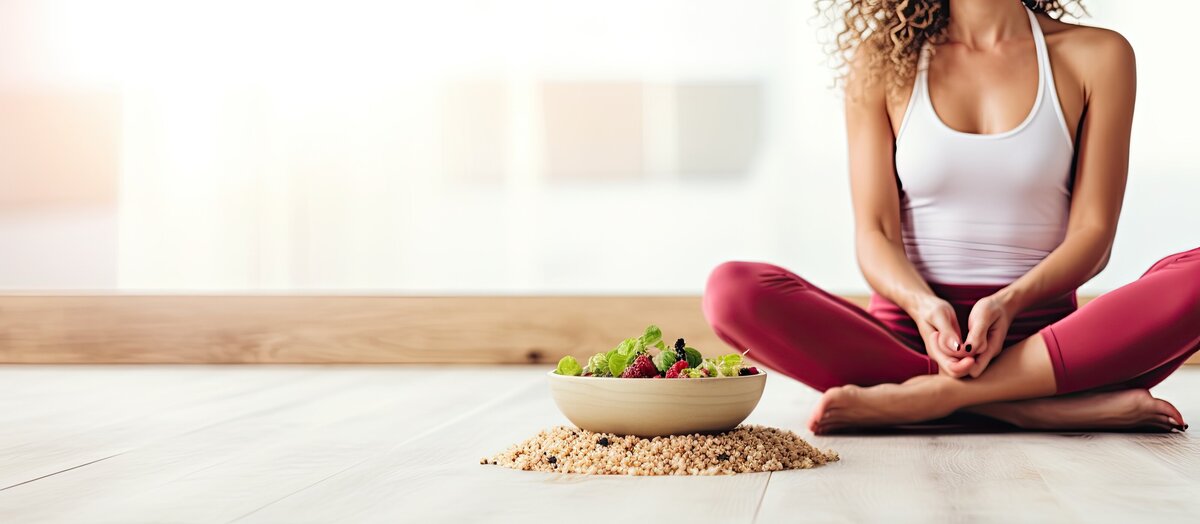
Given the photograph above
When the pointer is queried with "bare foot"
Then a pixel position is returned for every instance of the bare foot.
(916, 400)
(1124, 409)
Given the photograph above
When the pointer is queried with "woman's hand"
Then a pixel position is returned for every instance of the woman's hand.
(987, 326)
(938, 325)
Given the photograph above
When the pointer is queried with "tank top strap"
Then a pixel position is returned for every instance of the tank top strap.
(1047, 89)
(918, 100)
(922, 78)
(1039, 44)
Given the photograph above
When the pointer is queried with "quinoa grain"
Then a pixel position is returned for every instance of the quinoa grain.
(744, 449)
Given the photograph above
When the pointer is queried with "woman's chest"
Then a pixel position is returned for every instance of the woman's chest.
(992, 96)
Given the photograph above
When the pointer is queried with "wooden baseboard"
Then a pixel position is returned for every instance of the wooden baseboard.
(333, 329)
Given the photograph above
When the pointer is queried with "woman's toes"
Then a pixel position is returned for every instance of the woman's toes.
(1170, 410)
(1163, 422)
(826, 429)
(822, 406)
(1162, 410)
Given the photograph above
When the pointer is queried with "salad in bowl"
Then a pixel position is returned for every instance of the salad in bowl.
(603, 396)
(633, 358)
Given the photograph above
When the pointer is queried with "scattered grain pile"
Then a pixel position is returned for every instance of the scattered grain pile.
(745, 449)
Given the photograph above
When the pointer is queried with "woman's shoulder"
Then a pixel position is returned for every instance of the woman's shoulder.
(1086, 50)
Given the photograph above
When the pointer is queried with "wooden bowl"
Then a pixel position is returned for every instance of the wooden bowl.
(649, 407)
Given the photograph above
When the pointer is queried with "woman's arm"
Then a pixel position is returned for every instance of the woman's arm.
(1100, 177)
(878, 242)
(1109, 83)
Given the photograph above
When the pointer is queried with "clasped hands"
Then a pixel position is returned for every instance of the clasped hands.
(958, 356)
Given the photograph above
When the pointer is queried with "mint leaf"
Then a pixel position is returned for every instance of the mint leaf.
(569, 366)
(617, 363)
(693, 356)
(598, 365)
(621, 356)
(652, 336)
(664, 360)
(609, 356)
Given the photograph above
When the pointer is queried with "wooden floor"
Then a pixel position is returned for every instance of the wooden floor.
(402, 444)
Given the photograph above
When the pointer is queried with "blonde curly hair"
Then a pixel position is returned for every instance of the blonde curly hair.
(884, 37)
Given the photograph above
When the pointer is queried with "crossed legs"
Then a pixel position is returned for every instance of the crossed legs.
(825, 342)
(1018, 388)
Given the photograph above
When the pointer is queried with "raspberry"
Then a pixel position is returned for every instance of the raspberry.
(642, 367)
(676, 368)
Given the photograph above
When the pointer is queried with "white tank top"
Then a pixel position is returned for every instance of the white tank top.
(983, 208)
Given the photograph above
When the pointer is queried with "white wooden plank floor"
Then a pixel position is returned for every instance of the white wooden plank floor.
(402, 444)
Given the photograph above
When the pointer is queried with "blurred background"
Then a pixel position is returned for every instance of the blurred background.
(471, 146)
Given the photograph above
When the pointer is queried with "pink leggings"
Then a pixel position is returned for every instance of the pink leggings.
(1131, 337)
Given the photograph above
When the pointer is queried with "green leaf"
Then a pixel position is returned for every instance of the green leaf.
(598, 365)
(693, 356)
(664, 360)
(620, 357)
(690, 373)
(709, 366)
(729, 364)
(617, 363)
(652, 336)
(569, 366)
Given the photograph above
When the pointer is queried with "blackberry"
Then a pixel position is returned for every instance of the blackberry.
(679, 353)
(743, 372)
(603, 441)
(552, 459)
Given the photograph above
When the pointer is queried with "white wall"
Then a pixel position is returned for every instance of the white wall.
(490, 147)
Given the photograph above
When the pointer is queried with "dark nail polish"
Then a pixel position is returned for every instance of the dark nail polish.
(968, 348)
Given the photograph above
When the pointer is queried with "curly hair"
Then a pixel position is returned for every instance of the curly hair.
(884, 38)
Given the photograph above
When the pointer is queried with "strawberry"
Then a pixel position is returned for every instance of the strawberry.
(642, 367)
(676, 368)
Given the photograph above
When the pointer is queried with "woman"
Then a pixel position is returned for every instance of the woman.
(989, 145)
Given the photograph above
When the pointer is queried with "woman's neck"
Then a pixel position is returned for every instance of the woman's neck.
(981, 24)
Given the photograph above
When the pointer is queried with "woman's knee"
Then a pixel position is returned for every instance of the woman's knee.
(1190, 257)
(732, 289)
